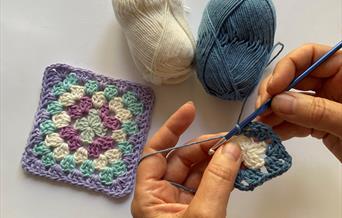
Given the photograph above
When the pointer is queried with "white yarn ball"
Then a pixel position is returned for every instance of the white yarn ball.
(159, 38)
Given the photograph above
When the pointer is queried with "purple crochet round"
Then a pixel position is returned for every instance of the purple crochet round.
(75, 136)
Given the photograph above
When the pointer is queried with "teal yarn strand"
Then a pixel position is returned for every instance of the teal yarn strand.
(235, 42)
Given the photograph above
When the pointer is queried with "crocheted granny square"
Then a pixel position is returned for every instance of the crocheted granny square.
(263, 154)
(89, 130)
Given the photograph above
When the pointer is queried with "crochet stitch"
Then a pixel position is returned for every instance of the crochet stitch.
(89, 130)
(263, 154)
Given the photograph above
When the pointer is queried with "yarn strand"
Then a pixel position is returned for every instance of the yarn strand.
(179, 147)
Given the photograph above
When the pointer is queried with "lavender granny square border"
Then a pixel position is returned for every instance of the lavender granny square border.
(122, 185)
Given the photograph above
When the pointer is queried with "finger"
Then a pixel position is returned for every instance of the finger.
(167, 136)
(309, 84)
(288, 130)
(266, 113)
(192, 182)
(334, 144)
(318, 134)
(271, 120)
(308, 111)
(298, 61)
(195, 175)
(331, 88)
(262, 92)
(212, 196)
(263, 96)
(180, 161)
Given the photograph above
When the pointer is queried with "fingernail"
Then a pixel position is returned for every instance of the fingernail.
(283, 103)
(232, 150)
(190, 102)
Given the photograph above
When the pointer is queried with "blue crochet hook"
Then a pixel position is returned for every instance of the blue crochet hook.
(239, 126)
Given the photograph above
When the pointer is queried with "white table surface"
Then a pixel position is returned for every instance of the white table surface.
(84, 33)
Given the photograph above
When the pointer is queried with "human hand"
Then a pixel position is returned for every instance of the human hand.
(191, 166)
(296, 114)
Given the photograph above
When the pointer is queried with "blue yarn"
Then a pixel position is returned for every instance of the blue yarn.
(277, 160)
(235, 43)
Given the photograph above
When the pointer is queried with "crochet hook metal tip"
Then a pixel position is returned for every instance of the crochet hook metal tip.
(238, 127)
(216, 146)
(231, 133)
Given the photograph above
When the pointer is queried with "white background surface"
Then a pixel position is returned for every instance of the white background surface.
(84, 33)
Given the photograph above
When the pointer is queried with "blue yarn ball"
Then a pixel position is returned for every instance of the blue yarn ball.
(235, 43)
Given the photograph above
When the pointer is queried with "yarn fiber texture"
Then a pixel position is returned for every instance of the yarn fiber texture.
(235, 43)
(266, 159)
(89, 130)
(159, 38)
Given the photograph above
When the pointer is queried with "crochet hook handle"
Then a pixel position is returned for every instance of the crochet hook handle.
(267, 104)
(327, 55)
(293, 84)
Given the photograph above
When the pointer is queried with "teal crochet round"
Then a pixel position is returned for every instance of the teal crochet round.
(89, 130)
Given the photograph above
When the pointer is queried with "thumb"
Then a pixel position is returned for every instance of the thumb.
(309, 111)
(217, 183)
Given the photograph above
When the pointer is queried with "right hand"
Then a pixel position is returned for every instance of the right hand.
(296, 114)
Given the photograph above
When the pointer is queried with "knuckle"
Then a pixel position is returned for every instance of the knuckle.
(318, 110)
(222, 173)
(308, 45)
(308, 48)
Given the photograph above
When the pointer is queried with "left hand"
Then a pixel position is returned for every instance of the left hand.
(191, 166)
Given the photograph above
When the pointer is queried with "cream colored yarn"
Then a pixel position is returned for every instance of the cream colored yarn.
(159, 38)
(253, 153)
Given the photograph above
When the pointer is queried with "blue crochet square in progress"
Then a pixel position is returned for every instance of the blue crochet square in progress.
(276, 159)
